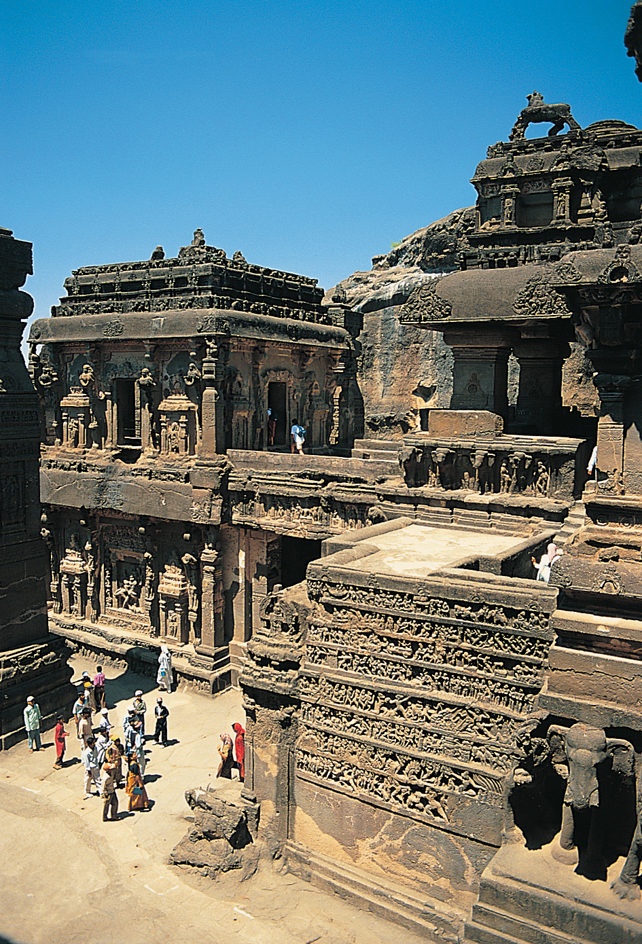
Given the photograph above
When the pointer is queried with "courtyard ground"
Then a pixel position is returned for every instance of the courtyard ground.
(68, 878)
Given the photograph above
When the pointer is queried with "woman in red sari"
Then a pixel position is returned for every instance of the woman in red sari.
(135, 790)
(239, 748)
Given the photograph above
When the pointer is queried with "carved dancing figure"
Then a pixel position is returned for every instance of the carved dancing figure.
(586, 748)
(128, 593)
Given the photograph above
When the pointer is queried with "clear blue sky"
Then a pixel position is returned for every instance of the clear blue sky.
(308, 135)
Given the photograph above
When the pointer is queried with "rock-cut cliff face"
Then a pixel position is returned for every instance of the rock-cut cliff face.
(404, 370)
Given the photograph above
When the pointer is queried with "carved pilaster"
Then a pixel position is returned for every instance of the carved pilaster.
(213, 439)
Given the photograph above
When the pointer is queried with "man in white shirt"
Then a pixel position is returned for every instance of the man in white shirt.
(32, 717)
(90, 762)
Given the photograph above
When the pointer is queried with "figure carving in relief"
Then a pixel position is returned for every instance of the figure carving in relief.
(542, 479)
(150, 592)
(147, 385)
(48, 538)
(172, 624)
(174, 437)
(72, 432)
(193, 376)
(128, 594)
(587, 751)
(505, 477)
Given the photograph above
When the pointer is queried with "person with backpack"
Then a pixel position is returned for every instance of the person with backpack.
(297, 434)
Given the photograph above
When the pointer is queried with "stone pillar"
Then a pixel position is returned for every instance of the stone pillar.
(31, 661)
(480, 370)
(212, 630)
(213, 441)
(540, 383)
(610, 437)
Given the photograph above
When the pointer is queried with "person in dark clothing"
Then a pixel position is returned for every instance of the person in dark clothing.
(161, 713)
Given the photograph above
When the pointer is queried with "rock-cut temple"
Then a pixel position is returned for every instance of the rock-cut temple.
(432, 731)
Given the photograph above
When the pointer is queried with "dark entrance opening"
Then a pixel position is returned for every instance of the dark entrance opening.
(277, 402)
(128, 422)
(296, 554)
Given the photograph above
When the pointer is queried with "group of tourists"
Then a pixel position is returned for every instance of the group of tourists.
(109, 762)
(232, 754)
(102, 753)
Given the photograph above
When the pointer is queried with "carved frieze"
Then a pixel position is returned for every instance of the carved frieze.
(539, 299)
(425, 305)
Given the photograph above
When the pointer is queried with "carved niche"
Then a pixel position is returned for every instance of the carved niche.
(73, 578)
(178, 425)
(76, 417)
(173, 601)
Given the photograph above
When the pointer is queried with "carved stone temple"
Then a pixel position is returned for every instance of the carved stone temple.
(431, 731)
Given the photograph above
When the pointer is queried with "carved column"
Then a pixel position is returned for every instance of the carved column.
(211, 602)
(213, 441)
(610, 431)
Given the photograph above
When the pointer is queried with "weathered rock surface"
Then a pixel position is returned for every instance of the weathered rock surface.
(221, 838)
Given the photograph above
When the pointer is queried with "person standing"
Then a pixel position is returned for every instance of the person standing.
(102, 743)
(114, 759)
(297, 435)
(135, 790)
(80, 703)
(32, 717)
(90, 763)
(161, 713)
(84, 728)
(104, 724)
(239, 748)
(110, 806)
(89, 691)
(140, 708)
(128, 728)
(138, 752)
(227, 758)
(164, 676)
(59, 737)
(99, 688)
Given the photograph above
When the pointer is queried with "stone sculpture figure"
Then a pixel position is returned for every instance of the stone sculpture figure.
(586, 749)
(537, 111)
(128, 593)
(147, 384)
(627, 884)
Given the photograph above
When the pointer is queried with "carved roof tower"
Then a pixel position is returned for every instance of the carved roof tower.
(543, 197)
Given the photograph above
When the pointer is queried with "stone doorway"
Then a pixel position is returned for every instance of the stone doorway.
(296, 554)
(277, 404)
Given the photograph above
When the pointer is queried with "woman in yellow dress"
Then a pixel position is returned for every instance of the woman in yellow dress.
(135, 790)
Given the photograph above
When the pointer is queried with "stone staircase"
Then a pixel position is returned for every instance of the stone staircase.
(572, 523)
(382, 450)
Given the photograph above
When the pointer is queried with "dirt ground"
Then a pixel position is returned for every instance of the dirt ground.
(67, 877)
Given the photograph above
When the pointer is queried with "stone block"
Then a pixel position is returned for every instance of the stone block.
(450, 423)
